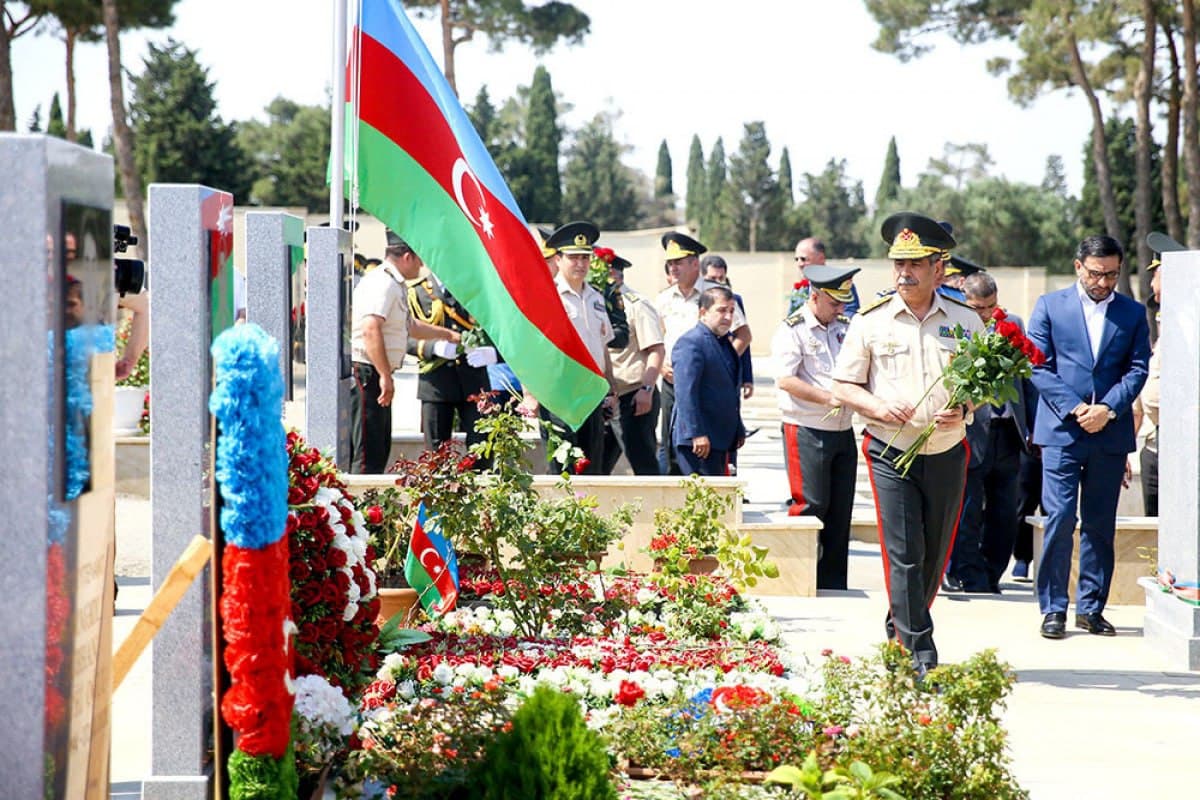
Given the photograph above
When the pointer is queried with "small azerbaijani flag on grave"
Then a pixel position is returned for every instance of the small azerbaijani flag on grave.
(423, 171)
(431, 566)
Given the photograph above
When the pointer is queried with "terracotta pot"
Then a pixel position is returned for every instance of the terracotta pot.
(697, 565)
(395, 601)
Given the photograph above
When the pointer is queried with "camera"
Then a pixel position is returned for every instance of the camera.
(129, 274)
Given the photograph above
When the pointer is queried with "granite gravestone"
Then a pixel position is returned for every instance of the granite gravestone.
(191, 255)
(56, 337)
(274, 280)
(327, 348)
(1172, 625)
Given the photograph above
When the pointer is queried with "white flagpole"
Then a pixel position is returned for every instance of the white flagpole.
(338, 117)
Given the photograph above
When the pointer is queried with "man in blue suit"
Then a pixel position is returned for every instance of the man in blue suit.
(1097, 345)
(707, 421)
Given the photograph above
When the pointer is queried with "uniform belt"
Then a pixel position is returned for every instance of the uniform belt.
(369, 368)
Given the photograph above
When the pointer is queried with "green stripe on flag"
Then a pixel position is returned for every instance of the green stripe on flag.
(399, 191)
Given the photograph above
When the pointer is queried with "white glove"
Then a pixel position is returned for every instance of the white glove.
(482, 356)
(445, 349)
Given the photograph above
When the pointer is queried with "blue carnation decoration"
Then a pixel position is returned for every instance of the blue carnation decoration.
(252, 457)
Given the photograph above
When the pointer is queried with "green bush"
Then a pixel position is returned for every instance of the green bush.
(547, 754)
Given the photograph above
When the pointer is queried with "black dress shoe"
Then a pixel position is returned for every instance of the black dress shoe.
(1054, 626)
(951, 584)
(1095, 623)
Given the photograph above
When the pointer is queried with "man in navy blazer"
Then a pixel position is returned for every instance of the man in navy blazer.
(708, 407)
(1097, 345)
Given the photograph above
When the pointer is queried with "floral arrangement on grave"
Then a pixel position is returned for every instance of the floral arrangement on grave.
(323, 723)
(697, 529)
(140, 375)
(984, 369)
(334, 600)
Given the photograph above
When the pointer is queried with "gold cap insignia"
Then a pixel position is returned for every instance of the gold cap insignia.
(907, 244)
(581, 240)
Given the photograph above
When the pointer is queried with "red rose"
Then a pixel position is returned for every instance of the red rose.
(299, 571)
(336, 558)
(374, 515)
(1007, 329)
(999, 314)
(629, 693)
(332, 595)
(581, 465)
(1038, 358)
(317, 564)
(466, 463)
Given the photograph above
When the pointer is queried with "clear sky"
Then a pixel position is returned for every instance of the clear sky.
(671, 68)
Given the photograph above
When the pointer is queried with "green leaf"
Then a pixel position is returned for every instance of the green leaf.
(787, 775)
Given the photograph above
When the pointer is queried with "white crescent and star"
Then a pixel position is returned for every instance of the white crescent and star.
(481, 219)
(436, 569)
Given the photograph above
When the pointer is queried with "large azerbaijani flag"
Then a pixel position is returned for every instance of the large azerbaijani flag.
(423, 171)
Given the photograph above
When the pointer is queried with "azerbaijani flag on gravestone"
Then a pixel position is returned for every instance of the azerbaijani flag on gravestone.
(424, 172)
(431, 567)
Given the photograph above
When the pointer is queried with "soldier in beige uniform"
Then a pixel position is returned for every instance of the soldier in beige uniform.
(818, 442)
(636, 368)
(679, 307)
(894, 351)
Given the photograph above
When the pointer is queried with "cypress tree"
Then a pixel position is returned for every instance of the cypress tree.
(54, 124)
(663, 185)
(889, 181)
(542, 140)
(694, 202)
(483, 117)
(35, 120)
(786, 192)
(714, 186)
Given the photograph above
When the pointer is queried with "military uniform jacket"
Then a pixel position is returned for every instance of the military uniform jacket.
(451, 382)
(804, 348)
(897, 357)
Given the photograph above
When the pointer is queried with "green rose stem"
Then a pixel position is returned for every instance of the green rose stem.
(905, 460)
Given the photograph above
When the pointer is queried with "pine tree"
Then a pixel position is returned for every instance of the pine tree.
(179, 137)
(663, 184)
(54, 124)
(753, 183)
(483, 117)
(84, 139)
(543, 137)
(597, 186)
(1121, 139)
(694, 201)
(889, 181)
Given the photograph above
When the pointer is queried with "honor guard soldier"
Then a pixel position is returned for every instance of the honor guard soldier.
(890, 371)
(448, 377)
(636, 368)
(818, 441)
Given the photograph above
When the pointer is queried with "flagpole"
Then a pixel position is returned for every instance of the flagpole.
(337, 133)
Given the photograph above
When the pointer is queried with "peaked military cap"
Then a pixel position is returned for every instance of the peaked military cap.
(959, 265)
(545, 234)
(620, 263)
(833, 281)
(680, 245)
(393, 239)
(1161, 243)
(574, 237)
(912, 235)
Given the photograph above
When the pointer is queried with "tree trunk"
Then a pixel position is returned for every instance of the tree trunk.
(1170, 159)
(122, 135)
(1108, 202)
(8, 32)
(448, 44)
(70, 36)
(1142, 89)
(1191, 126)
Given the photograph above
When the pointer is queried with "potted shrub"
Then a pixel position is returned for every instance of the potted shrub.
(694, 539)
(389, 526)
(131, 397)
(570, 529)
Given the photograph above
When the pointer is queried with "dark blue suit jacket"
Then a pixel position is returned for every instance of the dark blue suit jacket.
(1071, 376)
(708, 400)
(747, 366)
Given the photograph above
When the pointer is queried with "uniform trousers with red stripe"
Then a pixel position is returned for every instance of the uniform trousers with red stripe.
(370, 423)
(822, 467)
(918, 516)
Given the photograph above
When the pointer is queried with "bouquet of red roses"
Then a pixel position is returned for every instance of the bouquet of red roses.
(984, 369)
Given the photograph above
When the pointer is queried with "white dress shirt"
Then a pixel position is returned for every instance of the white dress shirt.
(1093, 317)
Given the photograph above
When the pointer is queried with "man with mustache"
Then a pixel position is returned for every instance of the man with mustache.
(895, 350)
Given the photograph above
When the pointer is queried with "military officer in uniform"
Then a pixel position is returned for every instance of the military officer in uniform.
(448, 377)
(636, 367)
(894, 351)
(818, 441)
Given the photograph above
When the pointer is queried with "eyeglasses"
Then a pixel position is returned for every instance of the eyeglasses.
(1102, 276)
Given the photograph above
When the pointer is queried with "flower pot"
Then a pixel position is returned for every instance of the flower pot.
(582, 559)
(396, 601)
(697, 565)
(128, 402)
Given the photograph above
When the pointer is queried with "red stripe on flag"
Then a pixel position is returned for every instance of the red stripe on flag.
(395, 103)
(441, 577)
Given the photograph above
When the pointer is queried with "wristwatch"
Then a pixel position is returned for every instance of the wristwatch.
(1111, 414)
(646, 387)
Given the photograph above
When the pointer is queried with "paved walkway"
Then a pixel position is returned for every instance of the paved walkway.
(1090, 717)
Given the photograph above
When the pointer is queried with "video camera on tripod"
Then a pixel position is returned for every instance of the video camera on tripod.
(129, 274)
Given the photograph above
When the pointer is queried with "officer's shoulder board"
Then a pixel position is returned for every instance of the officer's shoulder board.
(842, 318)
(880, 301)
(795, 318)
(630, 296)
(958, 303)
